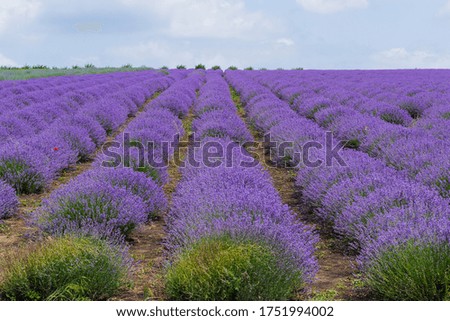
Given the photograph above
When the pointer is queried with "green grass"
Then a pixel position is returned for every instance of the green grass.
(11, 73)
(23, 178)
(68, 268)
(416, 272)
(444, 186)
(220, 268)
(4, 228)
(98, 208)
(352, 143)
(391, 119)
(411, 108)
(326, 295)
(237, 101)
(141, 167)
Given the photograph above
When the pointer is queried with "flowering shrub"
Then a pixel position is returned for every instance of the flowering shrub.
(224, 268)
(228, 229)
(8, 201)
(387, 204)
(66, 268)
(89, 204)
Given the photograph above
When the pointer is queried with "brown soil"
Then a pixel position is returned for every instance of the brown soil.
(336, 272)
(336, 276)
(14, 232)
(335, 279)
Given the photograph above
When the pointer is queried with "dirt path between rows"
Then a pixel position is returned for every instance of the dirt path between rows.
(14, 232)
(147, 243)
(335, 279)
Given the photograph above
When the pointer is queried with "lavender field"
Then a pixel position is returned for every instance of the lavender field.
(191, 184)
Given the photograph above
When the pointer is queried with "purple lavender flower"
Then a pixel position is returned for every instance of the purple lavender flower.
(298, 132)
(315, 181)
(292, 242)
(157, 127)
(311, 105)
(159, 118)
(437, 175)
(436, 127)
(77, 138)
(344, 193)
(139, 160)
(401, 226)
(395, 193)
(24, 167)
(326, 117)
(96, 132)
(137, 183)
(388, 113)
(221, 124)
(415, 106)
(439, 111)
(8, 201)
(243, 203)
(56, 149)
(180, 96)
(107, 114)
(14, 127)
(86, 203)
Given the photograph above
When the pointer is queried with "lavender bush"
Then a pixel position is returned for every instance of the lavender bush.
(230, 218)
(8, 201)
(66, 268)
(137, 183)
(24, 168)
(48, 126)
(85, 203)
(389, 208)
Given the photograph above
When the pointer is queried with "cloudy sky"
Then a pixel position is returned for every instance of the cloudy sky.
(319, 34)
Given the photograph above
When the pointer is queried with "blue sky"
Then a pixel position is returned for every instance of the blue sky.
(314, 34)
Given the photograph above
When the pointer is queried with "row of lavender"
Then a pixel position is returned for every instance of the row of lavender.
(19, 95)
(45, 140)
(30, 118)
(395, 97)
(106, 203)
(230, 237)
(123, 190)
(423, 104)
(399, 227)
(422, 153)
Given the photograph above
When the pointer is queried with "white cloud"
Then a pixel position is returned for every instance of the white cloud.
(445, 10)
(158, 53)
(402, 58)
(81, 61)
(5, 61)
(332, 6)
(151, 53)
(207, 18)
(285, 41)
(13, 13)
